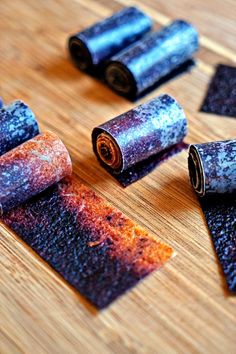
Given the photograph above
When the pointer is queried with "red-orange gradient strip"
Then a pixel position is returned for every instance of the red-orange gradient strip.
(131, 243)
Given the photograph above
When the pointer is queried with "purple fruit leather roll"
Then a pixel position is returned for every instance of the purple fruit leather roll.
(141, 65)
(212, 167)
(139, 133)
(17, 125)
(92, 46)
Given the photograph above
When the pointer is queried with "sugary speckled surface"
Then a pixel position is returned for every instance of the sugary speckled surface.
(95, 247)
(220, 214)
(17, 125)
(109, 36)
(145, 130)
(157, 54)
(32, 167)
(221, 95)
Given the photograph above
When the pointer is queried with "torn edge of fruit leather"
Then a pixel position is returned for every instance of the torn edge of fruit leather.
(91, 244)
(131, 145)
(212, 169)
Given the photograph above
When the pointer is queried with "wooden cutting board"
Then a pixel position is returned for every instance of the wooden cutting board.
(183, 308)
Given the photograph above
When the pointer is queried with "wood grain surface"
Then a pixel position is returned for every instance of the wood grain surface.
(184, 307)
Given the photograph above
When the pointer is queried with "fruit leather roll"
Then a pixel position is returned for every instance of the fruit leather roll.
(144, 63)
(17, 125)
(212, 167)
(212, 170)
(98, 43)
(32, 167)
(139, 133)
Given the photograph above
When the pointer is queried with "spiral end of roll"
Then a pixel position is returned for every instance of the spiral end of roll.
(108, 151)
(120, 79)
(196, 173)
(80, 54)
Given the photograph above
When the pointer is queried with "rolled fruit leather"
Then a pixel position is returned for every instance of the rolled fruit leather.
(17, 125)
(139, 133)
(92, 46)
(32, 167)
(137, 68)
(212, 170)
(212, 167)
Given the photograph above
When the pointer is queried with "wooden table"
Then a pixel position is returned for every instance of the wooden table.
(183, 308)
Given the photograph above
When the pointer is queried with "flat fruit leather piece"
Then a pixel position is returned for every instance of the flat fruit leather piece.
(220, 214)
(92, 245)
(91, 47)
(221, 95)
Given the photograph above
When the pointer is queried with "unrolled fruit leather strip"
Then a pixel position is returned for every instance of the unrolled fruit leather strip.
(134, 136)
(92, 46)
(17, 125)
(32, 167)
(94, 246)
(212, 169)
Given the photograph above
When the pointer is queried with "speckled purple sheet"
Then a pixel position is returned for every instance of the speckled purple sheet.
(221, 95)
(91, 244)
(220, 214)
